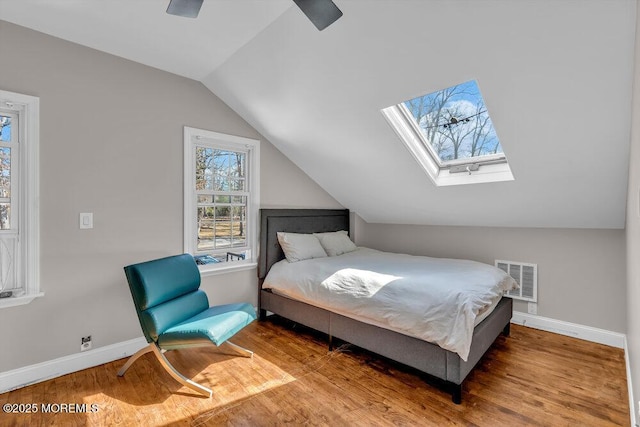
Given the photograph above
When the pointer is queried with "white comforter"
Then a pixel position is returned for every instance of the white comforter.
(434, 299)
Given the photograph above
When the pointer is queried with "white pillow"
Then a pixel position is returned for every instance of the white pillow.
(336, 243)
(298, 247)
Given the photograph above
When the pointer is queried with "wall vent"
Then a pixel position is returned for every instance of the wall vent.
(527, 277)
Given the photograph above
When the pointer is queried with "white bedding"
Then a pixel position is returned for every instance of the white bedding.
(434, 299)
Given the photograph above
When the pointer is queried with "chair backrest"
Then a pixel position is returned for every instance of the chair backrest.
(165, 293)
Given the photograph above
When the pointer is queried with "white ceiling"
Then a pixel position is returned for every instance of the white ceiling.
(556, 76)
(141, 30)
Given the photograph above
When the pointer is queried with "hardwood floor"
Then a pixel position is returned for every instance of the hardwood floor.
(529, 378)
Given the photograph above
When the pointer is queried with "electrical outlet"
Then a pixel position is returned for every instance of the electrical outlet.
(86, 220)
(85, 343)
(532, 308)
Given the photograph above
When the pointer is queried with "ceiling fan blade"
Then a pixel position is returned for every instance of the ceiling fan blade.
(321, 12)
(186, 8)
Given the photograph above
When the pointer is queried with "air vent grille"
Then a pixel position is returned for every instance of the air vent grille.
(527, 277)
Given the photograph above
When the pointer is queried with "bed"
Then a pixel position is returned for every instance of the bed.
(446, 365)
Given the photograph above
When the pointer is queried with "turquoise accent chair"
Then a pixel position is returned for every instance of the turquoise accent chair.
(174, 313)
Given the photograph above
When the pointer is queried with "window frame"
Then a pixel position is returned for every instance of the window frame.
(14, 146)
(27, 178)
(446, 164)
(193, 138)
(489, 168)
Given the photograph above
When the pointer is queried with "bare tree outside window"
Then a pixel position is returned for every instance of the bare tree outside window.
(455, 122)
(5, 171)
(222, 200)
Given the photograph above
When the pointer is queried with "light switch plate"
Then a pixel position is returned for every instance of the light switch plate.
(86, 220)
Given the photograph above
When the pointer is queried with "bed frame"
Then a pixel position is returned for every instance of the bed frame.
(421, 355)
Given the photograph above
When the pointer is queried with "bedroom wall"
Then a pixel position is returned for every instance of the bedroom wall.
(581, 273)
(111, 144)
(633, 235)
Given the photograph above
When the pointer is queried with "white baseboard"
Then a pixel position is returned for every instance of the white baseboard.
(17, 378)
(588, 333)
(632, 406)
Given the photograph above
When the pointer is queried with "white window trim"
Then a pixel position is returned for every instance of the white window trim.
(252, 146)
(438, 171)
(29, 210)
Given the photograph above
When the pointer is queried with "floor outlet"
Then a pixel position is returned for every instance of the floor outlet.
(86, 343)
(532, 308)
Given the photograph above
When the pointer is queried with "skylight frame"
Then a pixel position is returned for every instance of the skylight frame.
(454, 162)
(480, 169)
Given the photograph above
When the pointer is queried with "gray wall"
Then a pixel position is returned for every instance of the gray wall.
(633, 234)
(111, 144)
(581, 273)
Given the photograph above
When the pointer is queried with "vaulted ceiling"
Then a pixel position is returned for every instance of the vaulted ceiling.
(556, 76)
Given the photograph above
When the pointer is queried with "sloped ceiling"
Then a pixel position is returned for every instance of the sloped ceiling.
(556, 76)
(141, 31)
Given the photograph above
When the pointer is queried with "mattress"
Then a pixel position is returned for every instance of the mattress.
(434, 299)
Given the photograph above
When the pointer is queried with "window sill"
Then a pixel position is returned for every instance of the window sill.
(22, 300)
(500, 172)
(210, 270)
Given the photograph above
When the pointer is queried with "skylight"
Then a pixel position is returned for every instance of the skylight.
(451, 135)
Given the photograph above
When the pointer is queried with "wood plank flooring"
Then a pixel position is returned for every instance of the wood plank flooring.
(529, 378)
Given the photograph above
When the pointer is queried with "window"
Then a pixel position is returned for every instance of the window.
(19, 216)
(221, 200)
(451, 135)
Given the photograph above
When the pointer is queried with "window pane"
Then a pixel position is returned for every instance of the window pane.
(5, 129)
(222, 199)
(238, 225)
(5, 172)
(237, 184)
(204, 174)
(5, 215)
(221, 170)
(239, 200)
(205, 229)
(238, 213)
(221, 162)
(236, 164)
(221, 183)
(205, 198)
(204, 181)
(229, 167)
(239, 235)
(455, 122)
(222, 231)
(222, 212)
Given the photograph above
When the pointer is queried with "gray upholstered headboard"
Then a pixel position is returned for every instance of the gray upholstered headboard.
(293, 221)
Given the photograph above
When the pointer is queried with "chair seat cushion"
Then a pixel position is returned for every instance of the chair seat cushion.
(214, 325)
